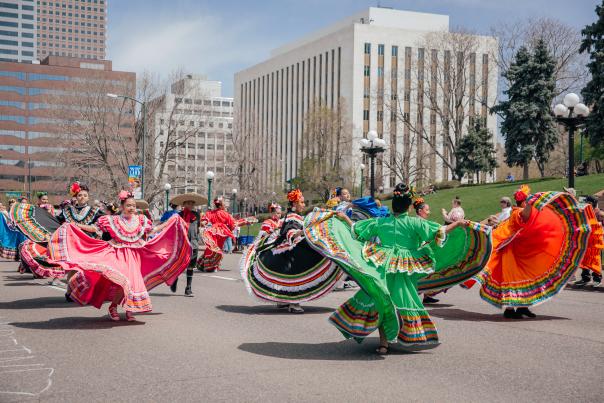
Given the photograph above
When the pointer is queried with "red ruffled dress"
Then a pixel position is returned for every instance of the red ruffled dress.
(221, 226)
(532, 260)
(592, 260)
(126, 261)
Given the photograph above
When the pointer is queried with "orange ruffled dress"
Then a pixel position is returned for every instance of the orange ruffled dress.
(593, 256)
(532, 261)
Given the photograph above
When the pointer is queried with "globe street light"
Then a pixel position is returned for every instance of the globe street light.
(234, 201)
(167, 188)
(144, 114)
(362, 166)
(372, 146)
(572, 114)
(210, 177)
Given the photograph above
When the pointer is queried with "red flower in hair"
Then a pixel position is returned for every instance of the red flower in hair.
(74, 189)
(124, 194)
(294, 195)
(522, 193)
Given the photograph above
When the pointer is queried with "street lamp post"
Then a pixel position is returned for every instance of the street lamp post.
(234, 201)
(372, 146)
(210, 177)
(362, 166)
(245, 206)
(167, 188)
(571, 114)
(144, 113)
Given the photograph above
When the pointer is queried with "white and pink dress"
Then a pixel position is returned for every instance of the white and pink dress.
(125, 261)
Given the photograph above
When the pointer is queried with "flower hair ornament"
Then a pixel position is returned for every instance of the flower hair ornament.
(41, 194)
(74, 189)
(331, 203)
(522, 193)
(406, 190)
(294, 196)
(418, 202)
(124, 194)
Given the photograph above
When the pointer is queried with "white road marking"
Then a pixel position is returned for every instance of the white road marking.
(222, 278)
(8, 369)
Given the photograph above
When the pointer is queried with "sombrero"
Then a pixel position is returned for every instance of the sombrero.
(142, 204)
(194, 197)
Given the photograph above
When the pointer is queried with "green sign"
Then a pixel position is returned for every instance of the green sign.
(13, 195)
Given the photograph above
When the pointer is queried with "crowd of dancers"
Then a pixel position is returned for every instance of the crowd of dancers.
(396, 261)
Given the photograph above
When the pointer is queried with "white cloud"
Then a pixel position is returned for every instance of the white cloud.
(198, 44)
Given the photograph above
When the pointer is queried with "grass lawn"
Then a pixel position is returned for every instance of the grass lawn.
(481, 200)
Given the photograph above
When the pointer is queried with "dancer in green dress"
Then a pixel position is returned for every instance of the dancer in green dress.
(388, 272)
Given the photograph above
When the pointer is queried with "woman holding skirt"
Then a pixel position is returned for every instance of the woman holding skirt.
(122, 266)
(282, 268)
(535, 252)
(387, 272)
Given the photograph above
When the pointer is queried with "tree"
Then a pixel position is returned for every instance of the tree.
(593, 44)
(543, 93)
(323, 164)
(528, 127)
(476, 151)
(99, 143)
(562, 41)
(446, 90)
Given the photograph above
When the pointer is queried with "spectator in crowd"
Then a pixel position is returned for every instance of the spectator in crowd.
(506, 209)
(169, 213)
(456, 213)
(509, 178)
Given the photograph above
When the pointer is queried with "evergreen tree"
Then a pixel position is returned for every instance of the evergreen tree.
(476, 151)
(528, 127)
(593, 93)
(519, 145)
(543, 88)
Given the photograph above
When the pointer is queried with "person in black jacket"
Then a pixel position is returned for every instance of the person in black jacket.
(188, 202)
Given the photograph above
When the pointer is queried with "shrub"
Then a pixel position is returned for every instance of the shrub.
(447, 185)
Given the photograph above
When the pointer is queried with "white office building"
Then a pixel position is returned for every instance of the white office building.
(198, 120)
(359, 65)
(18, 30)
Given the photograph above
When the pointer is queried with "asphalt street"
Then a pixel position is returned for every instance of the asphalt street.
(223, 346)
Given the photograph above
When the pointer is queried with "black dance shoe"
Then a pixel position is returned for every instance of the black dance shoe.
(525, 312)
(429, 300)
(510, 313)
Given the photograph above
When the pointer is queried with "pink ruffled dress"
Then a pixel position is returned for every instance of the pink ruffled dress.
(126, 261)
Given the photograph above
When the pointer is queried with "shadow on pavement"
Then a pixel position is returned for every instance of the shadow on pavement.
(460, 314)
(438, 305)
(346, 350)
(38, 303)
(20, 283)
(85, 323)
(271, 309)
(20, 277)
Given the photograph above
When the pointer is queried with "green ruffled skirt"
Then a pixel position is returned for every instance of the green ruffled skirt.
(388, 298)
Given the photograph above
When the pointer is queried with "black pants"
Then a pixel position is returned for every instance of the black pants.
(587, 275)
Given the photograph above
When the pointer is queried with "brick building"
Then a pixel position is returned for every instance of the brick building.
(41, 108)
(72, 28)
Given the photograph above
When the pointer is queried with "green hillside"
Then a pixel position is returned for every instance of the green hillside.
(481, 200)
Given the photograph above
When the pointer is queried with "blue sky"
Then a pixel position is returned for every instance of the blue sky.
(219, 38)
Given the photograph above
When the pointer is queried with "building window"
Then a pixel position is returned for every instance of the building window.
(381, 49)
(367, 70)
(380, 116)
(367, 48)
(395, 51)
(366, 114)
(380, 71)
